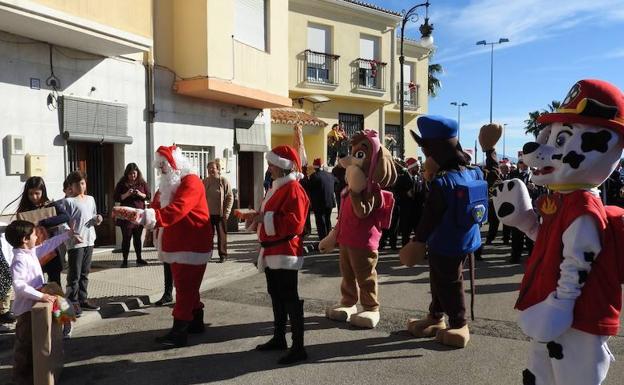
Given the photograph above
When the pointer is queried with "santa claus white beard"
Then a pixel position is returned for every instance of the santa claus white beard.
(169, 183)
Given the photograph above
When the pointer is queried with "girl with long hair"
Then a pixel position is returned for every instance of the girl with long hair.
(132, 191)
(35, 196)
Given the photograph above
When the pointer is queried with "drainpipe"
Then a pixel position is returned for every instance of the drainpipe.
(149, 121)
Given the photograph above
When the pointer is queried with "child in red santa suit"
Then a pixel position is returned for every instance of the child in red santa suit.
(180, 213)
(279, 225)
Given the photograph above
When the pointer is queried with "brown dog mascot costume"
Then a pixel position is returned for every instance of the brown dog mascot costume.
(365, 210)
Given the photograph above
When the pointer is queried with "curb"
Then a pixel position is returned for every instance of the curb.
(112, 309)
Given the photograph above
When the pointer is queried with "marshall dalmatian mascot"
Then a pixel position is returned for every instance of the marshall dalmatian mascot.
(570, 296)
(180, 214)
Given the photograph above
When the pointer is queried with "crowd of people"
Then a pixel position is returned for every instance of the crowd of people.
(66, 235)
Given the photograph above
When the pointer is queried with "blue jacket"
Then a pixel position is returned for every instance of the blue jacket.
(466, 196)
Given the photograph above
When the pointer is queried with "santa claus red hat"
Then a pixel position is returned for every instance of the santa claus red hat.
(590, 101)
(411, 163)
(317, 163)
(167, 153)
(284, 157)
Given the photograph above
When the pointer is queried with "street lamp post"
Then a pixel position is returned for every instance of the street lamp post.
(491, 44)
(459, 106)
(504, 132)
(427, 41)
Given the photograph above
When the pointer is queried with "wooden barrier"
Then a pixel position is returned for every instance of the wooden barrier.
(47, 345)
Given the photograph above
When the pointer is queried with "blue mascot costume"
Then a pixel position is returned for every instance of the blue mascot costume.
(448, 231)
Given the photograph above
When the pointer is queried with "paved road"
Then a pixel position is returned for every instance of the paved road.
(121, 350)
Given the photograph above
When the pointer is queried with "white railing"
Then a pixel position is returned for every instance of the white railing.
(199, 160)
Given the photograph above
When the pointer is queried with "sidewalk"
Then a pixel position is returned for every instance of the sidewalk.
(117, 289)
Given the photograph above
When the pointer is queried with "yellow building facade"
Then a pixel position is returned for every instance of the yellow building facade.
(343, 67)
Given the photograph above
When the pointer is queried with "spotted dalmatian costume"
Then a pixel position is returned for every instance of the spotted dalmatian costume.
(570, 296)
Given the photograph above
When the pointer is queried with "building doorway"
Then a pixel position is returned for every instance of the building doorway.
(246, 179)
(97, 160)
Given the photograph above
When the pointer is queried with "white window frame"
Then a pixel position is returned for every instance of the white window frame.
(243, 31)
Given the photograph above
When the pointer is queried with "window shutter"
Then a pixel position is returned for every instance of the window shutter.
(407, 73)
(318, 38)
(249, 19)
(368, 48)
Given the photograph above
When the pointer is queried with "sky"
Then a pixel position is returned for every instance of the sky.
(552, 45)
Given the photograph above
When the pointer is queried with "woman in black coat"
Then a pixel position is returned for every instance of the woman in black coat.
(131, 191)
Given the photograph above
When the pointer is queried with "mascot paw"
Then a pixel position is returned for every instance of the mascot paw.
(328, 244)
(427, 327)
(548, 319)
(340, 312)
(512, 203)
(489, 135)
(365, 319)
(413, 253)
(454, 337)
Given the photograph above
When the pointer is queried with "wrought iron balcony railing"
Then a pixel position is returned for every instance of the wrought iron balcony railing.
(371, 74)
(320, 68)
(410, 95)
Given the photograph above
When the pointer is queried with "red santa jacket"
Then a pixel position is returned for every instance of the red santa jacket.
(186, 233)
(597, 309)
(285, 209)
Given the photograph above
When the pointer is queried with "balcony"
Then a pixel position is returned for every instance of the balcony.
(320, 69)
(410, 95)
(369, 75)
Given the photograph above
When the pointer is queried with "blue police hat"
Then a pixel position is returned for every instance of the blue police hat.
(436, 127)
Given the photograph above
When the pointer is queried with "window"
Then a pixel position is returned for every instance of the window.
(250, 23)
(370, 69)
(408, 91)
(319, 63)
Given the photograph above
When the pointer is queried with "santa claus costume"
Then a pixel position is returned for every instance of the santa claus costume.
(280, 225)
(180, 214)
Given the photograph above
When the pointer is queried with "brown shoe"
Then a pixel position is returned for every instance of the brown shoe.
(427, 327)
(454, 337)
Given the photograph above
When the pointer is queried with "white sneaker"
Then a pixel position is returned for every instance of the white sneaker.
(67, 331)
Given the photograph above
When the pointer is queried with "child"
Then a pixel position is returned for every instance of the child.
(27, 281)
(35, 196)
(83, 213)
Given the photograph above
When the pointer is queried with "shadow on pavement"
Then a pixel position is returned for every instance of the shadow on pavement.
(220, 366)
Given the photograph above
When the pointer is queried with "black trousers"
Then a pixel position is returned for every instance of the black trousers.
(133, 233)
(218, 226)
(168, 278)
(79, 266)
(282, 284)
(322, 218)
(492, 223)
(519, 241)
(54, 268)
(407, 223)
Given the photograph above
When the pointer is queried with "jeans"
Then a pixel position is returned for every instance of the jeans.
(79, 266)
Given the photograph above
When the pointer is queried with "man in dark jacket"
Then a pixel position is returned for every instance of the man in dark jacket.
(322, 198)
(410, 188)
(339, 173)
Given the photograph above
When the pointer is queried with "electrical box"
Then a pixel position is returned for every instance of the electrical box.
(15, 144)
(36, 165)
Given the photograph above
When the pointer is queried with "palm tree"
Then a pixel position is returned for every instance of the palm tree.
(434, 83)
(532, 127)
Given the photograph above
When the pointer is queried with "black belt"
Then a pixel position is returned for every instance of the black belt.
(266, 244)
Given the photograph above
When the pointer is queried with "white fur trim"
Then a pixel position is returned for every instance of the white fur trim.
(186, 257)
(279, 182)
(269, 224)
(286, 262)
(149, 217)
(277, 160)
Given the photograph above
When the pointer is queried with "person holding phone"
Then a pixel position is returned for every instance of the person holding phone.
(131, 191)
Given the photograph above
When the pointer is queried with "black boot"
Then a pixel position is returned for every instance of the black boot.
(176, 337)
(165, 299)
(124, 263)
(278, 342)
(297, 352)
(197, 324)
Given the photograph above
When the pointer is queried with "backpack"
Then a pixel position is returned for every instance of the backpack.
(385, 211)
(471, 202)
(615, 228)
